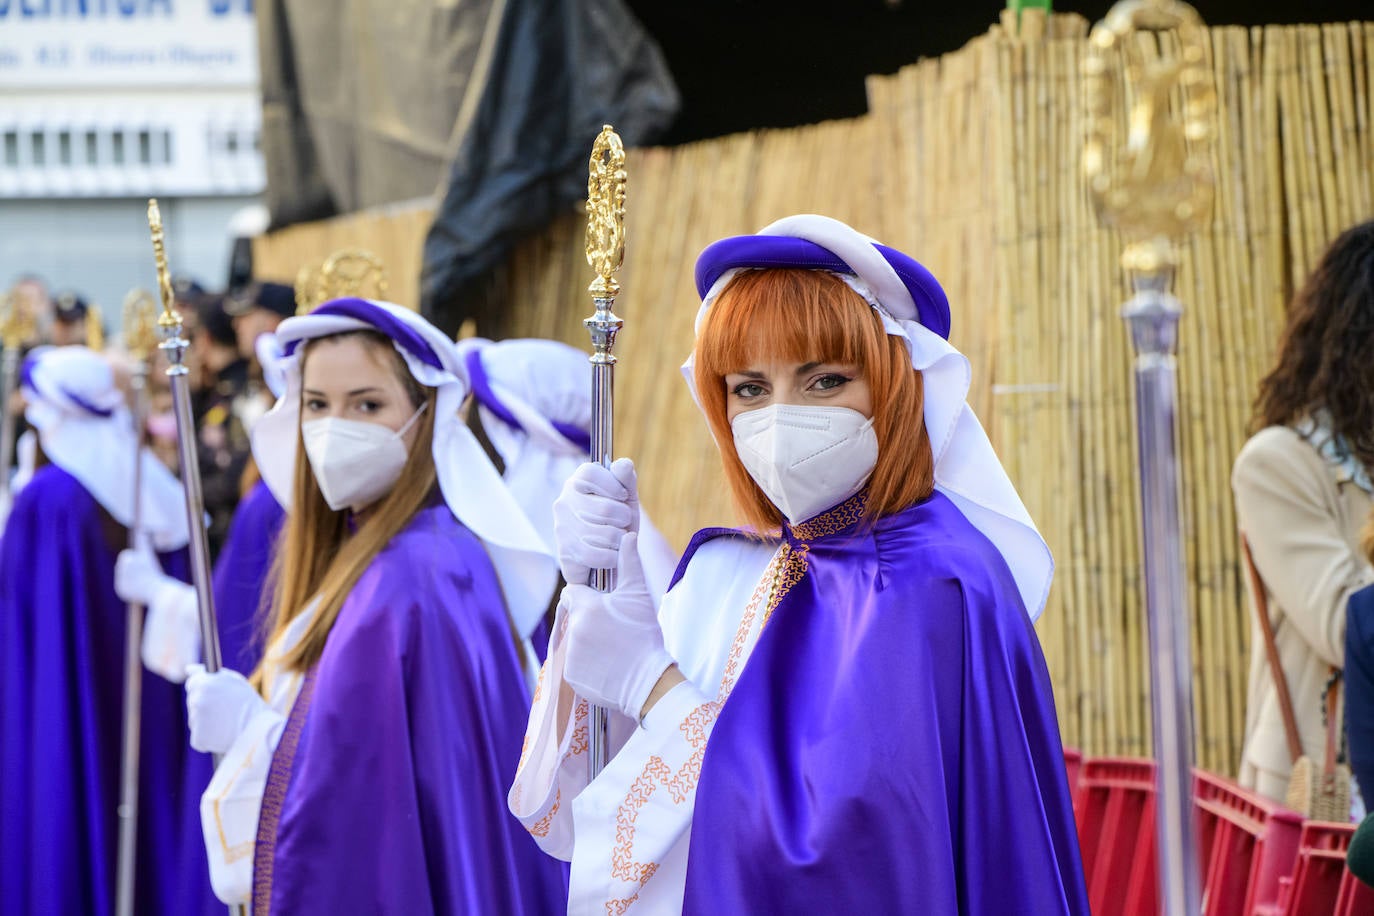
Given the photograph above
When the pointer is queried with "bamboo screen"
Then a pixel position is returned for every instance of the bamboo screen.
(970, 162)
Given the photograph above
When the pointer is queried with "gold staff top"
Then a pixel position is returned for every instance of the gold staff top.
(606, 212)
(1157, 187)
(15, 326)
(169, 319)
(347, 272)
(140, 319)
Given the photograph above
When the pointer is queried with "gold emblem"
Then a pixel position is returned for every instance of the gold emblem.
(1158, 186)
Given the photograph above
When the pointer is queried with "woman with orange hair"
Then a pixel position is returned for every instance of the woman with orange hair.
(843, 705)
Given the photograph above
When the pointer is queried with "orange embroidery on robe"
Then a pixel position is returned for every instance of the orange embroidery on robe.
(696, 726)
(541, 827)
(786, 569)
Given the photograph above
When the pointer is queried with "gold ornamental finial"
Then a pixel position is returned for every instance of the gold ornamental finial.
(606, 212)
(16, 324)
(1158, 186)
(347, 272)
(140, 317)
(95, 328)
(169, 318)
(307, 288)
(350, 272)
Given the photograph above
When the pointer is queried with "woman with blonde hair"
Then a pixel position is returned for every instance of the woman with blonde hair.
(843, 706)
(363, 762)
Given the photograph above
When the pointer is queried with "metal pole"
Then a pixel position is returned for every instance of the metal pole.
(1157, 187)
(174, 345)
(605, 253)
(139, 311)
(1152, 315)
(133, 680)
(15, 328)
(9, 376)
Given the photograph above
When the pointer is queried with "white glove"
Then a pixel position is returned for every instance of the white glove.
(597, 507)
(171, 632)
(615, 646)
(138, 576)
(219, 707)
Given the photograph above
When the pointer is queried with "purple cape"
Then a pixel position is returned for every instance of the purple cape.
(241, 572)
(62, 630)
(891, 746)
(387, 793)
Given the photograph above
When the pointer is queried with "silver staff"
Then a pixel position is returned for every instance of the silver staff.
(140, 339)
(174, 345)
(16, 326)
(605, 254)
(1164, 191)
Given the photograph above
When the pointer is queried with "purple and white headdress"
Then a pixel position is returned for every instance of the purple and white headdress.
(474, 492)
(85, 428)
(914, 307)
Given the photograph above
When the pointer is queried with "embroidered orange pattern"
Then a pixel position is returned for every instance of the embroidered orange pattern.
(696, 727)
(577, 746)
(786, 569)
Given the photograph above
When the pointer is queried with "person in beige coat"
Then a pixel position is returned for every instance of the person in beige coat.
(1303, 493)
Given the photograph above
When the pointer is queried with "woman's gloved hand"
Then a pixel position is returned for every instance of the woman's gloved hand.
(615, 650)
(598, 507)
(219, 707)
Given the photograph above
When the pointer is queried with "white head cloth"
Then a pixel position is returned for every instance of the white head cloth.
(967, 469)
(540, 383)
(473, 490)
(85, 428)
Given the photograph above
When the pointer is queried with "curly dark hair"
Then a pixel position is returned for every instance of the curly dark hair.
(1326, 356)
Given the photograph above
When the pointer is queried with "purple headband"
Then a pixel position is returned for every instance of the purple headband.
(26, 380)
(763, 251)
(483, 393)
(383, 321)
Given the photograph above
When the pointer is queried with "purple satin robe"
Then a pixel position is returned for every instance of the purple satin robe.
(240, 574)
(62, 635)
(387, 792)
(891, 746)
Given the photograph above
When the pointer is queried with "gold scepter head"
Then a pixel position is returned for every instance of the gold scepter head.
(1157, 186)
(16, 324)
(606, 180)
(95, 328)
(347, 272)
(140, 324)
(169, 320)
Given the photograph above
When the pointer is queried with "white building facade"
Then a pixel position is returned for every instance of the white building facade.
(104, 103)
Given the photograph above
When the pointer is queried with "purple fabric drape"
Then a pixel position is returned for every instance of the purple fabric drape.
(62, 634)
(387, 791)
(891, 746)
(241, 573)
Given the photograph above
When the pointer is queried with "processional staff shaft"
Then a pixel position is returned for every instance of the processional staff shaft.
(605, 253)
(140, 340)
(1155, 188)
(174, 345)
(15, 328)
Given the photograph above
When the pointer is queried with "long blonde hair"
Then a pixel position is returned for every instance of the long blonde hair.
(316, 557)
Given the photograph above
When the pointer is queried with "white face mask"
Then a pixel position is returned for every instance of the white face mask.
(806, 459)
(355, 463)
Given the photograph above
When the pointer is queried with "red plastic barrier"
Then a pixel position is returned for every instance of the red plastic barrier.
(1355, 899)
(1246, 844)
(1115, 810)
(1073, 768)
(1315, 885)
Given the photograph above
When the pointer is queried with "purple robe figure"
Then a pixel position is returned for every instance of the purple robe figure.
(241, 575)
(386, 793)
(62, 634)
(892, 744)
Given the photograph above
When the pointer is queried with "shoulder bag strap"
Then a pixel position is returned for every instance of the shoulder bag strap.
(1290, 724)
